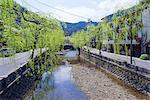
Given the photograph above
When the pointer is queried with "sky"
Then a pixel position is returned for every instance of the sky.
(94, 10)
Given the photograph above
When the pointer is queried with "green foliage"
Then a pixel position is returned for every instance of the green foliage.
(24, 30)
(79, 39)
(122, 24)
(144, 57)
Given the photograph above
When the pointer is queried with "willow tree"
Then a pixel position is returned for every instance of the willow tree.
(80, 39)
(128, 23)
(25, 31)
(124, 24)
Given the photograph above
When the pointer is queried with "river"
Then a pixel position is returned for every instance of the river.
(59, 84)
(64, 82)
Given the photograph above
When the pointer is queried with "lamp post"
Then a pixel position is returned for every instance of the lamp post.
(99, 42)
(131, 36)
(131, 46)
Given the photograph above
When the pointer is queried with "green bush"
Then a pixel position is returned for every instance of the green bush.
(144, 57)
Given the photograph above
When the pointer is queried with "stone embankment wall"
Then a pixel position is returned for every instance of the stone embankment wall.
(132, 75)
(19, 82)
(16, 84)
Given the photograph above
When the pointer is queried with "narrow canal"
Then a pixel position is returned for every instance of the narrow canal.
(59, 84)
(81, 82)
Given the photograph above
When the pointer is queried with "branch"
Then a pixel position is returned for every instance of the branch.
(31, 21)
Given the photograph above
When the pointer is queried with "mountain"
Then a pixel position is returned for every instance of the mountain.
(70, 28)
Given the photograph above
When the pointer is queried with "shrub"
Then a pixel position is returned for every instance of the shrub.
(144, 57)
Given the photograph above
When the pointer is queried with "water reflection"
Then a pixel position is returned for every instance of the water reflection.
(59, 84)
(71, 54)
(44, 86)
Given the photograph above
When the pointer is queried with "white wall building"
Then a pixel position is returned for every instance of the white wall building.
(146, 31)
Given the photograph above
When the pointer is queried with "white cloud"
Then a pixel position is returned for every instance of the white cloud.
(93, 9)
(110, 6)
(101, 10)
(79, 11)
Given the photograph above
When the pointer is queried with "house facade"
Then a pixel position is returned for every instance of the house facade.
(146, 31)
(140, 43)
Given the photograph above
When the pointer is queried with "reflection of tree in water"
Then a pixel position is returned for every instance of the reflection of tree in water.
(45, 86)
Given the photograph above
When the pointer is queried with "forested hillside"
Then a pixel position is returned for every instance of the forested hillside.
(70, 28)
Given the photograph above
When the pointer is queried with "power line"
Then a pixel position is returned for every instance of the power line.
(38, 8)
(62, 10)
(32, 6)
(53, 8)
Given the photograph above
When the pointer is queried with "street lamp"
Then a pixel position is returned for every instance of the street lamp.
(131, 47)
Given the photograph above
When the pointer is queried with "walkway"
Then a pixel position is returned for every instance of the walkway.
(11, 64)
(136, 61)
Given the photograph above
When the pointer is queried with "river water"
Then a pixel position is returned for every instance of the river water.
(59, 84)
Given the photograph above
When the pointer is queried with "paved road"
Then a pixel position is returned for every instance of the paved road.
(136, 61)
(11, 64)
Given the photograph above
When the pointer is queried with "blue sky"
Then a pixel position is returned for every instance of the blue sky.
(93, 9)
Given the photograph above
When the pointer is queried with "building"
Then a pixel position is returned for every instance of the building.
(141, 42)
(146, 31)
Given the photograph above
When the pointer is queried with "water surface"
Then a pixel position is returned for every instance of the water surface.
(59, 84)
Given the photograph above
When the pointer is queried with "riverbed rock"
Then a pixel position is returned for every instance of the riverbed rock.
(98, 86)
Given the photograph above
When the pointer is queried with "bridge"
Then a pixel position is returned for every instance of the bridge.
(68, 46)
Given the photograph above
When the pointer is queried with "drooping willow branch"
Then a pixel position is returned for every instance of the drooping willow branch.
(31, 21)
(30, 31)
